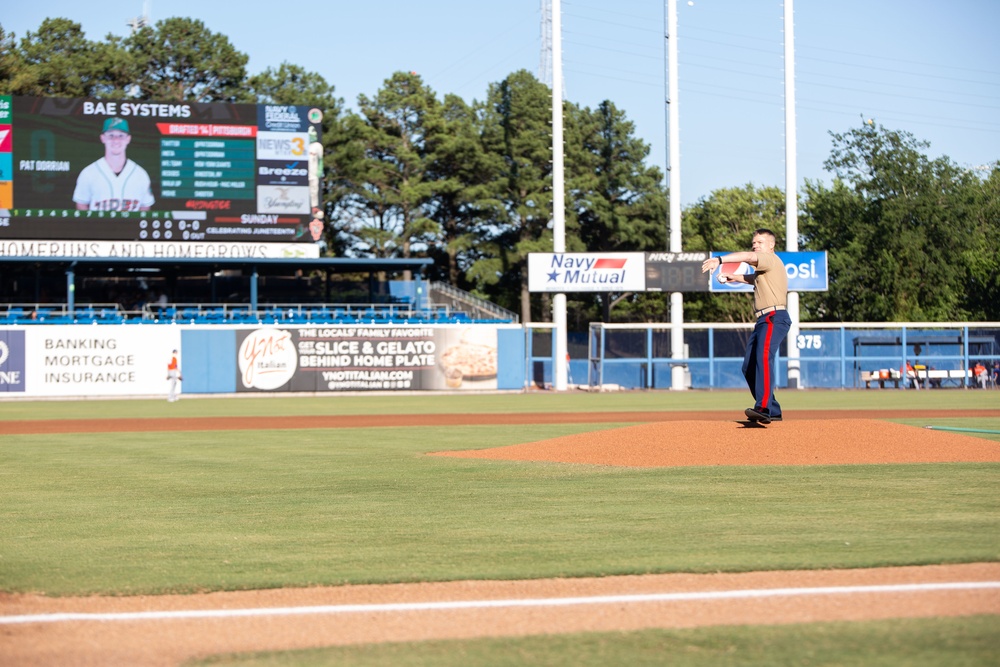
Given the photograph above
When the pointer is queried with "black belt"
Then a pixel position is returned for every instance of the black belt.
(769, 309)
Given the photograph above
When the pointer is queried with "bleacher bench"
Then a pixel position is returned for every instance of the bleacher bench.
(927, 378)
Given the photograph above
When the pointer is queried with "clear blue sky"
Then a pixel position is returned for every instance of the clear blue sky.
(930, 68)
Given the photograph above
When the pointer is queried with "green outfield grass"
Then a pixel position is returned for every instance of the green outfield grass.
(178, 512)
(152, 512)
(946, 642)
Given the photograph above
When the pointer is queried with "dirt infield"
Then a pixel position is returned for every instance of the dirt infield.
(792, 442)
(26, 427)
(35, 630)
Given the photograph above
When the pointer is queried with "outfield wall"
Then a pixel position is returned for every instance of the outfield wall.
(131, 360)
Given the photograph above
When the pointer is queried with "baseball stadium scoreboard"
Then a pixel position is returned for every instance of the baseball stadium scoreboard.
(80, 176)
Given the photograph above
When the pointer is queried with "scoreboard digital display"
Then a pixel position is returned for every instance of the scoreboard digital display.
(676, 272)
(178, 172)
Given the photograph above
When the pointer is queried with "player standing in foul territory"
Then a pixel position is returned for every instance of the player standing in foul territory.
(770, 298)
(114, 183)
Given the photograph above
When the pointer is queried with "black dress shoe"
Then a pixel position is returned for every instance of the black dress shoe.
(757, 416)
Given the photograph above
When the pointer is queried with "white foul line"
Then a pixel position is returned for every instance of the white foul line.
(495, 604)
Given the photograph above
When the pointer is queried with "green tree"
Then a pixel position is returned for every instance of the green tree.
(56, 61)
(293, 85)
(516, 131)
(462, 172)
(381, 166)
(182, 60)
(619, 202)
(11, 64)
(982, 260)
(898, 227)
(725, 221)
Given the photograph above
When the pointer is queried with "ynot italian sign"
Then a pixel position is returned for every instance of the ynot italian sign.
(586, 272)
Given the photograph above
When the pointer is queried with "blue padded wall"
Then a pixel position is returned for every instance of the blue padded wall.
(208, 361)
(510, 359)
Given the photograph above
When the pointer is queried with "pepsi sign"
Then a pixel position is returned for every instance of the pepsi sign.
(807, 272)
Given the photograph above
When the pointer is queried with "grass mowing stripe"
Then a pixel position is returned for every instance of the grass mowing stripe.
(154, 512)
(935, 642)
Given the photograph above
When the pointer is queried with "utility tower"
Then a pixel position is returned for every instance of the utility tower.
(140, 22)
(545, 61)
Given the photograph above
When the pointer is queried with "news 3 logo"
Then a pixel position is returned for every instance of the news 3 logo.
(11, 361)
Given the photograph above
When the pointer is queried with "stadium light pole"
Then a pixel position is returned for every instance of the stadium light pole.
(791, 186)
(559, 371)
(674, 176)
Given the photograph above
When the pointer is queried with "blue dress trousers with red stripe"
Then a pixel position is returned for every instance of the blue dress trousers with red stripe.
(760, 363)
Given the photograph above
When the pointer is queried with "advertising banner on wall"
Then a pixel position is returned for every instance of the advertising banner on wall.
(660, 272)
(158, 172)
(11, 361)
(586, 272)
(375, 358)
(156, 250)
(807, 272)
(58, 360)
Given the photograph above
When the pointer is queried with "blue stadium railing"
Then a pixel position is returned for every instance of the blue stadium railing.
(343, 313)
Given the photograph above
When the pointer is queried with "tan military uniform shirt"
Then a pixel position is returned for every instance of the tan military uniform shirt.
(770, 287)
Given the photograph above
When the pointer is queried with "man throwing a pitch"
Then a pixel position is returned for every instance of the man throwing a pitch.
(770, 298)
(114, 182)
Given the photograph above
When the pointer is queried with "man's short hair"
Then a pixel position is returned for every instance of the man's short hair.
(765, 231)
(116, 123)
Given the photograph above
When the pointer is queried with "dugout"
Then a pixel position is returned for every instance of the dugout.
(948, 345)
(949, 351)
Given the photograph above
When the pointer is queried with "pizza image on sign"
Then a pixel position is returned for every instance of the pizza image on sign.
(473, 358)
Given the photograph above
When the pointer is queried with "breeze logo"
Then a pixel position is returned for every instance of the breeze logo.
(11, 361)
(282, 172)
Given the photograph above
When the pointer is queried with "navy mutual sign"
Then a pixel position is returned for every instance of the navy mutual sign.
(586, 272)
(659, 272)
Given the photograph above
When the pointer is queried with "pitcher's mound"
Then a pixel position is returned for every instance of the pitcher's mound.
(708, 443)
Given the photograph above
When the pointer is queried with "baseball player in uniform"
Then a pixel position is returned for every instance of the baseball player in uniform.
(114, 183)
(770, 298)
(173, 376)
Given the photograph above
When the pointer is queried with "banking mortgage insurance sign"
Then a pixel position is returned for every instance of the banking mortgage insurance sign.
(586, 272)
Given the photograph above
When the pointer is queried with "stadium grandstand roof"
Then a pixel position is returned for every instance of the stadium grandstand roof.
(261, 265)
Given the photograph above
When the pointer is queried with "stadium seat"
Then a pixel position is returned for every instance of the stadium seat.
(318, 314)
(13, 315)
